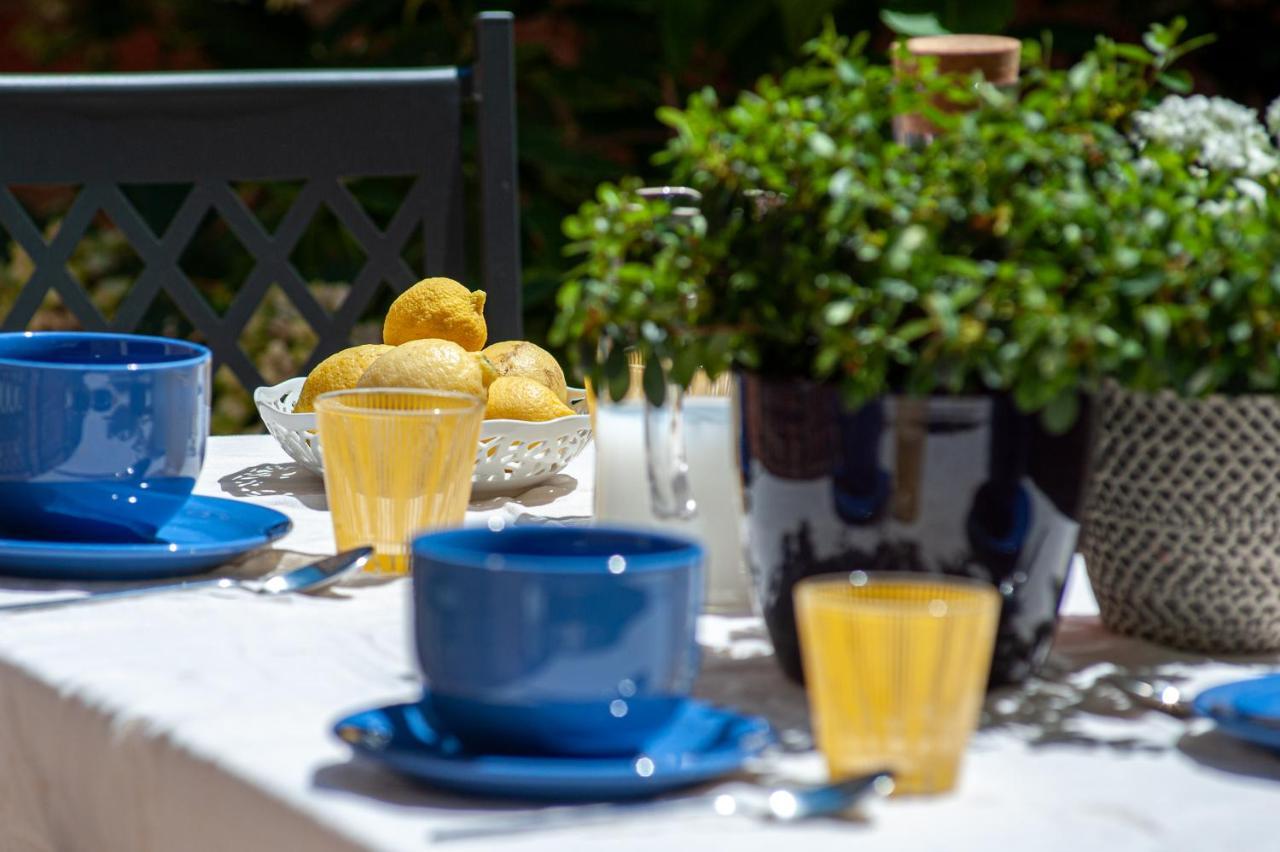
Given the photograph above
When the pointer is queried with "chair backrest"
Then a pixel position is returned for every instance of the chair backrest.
(209, 129)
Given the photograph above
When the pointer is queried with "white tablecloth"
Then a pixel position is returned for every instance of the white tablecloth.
(201, 721)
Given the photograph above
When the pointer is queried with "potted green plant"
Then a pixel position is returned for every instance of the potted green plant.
(1182, 538)
(916, 326)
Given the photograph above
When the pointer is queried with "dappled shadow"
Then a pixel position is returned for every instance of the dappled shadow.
(1082, 696)
(542, 494)
(739, 671)
(277, 479)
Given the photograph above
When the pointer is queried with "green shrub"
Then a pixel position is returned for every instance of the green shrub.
(1035, 246)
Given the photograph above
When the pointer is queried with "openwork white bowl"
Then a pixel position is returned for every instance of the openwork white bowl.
(512, 454)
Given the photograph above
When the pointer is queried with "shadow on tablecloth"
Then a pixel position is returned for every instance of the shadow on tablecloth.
(740, 672)
(255, 565)
(1074, 704)
(277, 479)
(543, 494)
(367, 779)
(1228, 754)
(1077, 702)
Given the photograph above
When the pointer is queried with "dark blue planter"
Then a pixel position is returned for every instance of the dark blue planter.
(966, 486)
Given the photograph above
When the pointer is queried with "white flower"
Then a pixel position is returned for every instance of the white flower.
(1220, 208)
(1273, 117)
(1251, 190)
(1146, 167)
(1224, 135)
(1252, 197)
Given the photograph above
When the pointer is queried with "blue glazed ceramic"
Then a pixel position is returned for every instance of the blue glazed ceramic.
(206, 532)
(700, 744)
(1246, 709)
(967, 486)
(556, 640)
(101, 435)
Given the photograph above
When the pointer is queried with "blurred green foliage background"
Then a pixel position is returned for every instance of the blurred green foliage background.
(590, 74)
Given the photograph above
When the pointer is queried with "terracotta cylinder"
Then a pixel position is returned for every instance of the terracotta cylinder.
(996, 58)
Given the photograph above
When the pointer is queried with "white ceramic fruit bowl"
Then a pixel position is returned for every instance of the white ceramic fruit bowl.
(512, 455)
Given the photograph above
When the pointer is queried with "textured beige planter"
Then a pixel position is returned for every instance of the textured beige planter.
(1182, 519)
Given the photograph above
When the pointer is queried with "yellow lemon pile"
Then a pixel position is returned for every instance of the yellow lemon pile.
(434, 337)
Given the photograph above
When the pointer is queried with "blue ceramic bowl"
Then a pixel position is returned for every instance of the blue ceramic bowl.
(101, 435)
(556, 640)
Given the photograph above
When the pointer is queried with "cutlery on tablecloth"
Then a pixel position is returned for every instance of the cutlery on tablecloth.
(1159, 695)
(1164, 696)
(788, 804)
(309, 578)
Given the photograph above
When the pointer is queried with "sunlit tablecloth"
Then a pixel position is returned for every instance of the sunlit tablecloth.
(200, 722)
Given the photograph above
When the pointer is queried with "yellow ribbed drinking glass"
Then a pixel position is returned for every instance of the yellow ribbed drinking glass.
(896, 668)
(396, 462)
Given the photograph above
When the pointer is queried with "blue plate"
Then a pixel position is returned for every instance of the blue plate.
(205, 532)
(1248, 709)
(701, 743)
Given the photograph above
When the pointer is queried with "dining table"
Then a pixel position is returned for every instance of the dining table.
(202, 720)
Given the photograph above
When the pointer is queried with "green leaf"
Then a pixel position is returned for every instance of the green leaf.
(915, 329)
(1239, 331)
(685, 364)
(1157, 39)
(1134, 53)
(616, 372)
(1061, 412)
(1200, 381)
(826, 361)
(673, 118)
(1178, 81)
(838, 313)
(822, 144)
(655, 384)
(1191, 44)
(912, 24)
(1142, 287)
(1082, 74)
(1155, 320)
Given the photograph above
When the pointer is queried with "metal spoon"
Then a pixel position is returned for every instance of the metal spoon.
(1164, 696)
(777, 804)
(1159, 695)
(308, 578)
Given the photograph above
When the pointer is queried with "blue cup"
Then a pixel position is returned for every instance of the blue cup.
(101, 435)
(556, 640)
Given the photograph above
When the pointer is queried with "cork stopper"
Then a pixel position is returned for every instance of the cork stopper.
(997, 57)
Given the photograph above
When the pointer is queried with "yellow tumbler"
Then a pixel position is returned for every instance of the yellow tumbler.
(896, 668)
(396, 462)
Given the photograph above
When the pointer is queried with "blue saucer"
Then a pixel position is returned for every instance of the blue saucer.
(701, 743)
(206, 532)
(1248, 709)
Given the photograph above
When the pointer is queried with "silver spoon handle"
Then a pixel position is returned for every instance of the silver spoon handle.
(566, 816)
(135, 592)
(727, 800)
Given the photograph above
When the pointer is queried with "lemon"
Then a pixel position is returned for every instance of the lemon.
(340, 371)
(522, 358)
(438, 308)
(519, 398)
(433, 364)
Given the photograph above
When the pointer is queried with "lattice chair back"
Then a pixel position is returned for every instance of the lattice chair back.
(210, 130)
